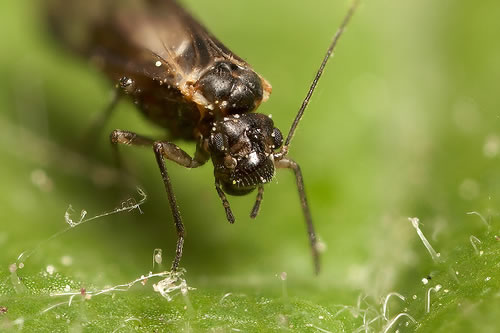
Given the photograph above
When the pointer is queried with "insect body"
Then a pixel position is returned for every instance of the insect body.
(185, 80)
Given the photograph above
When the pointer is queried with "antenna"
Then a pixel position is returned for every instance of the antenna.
(329, 53)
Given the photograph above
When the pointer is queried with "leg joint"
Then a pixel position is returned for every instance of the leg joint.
(115, 136)
(158, 147)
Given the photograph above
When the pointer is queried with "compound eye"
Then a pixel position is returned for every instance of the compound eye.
(217, 142)
(277, 138)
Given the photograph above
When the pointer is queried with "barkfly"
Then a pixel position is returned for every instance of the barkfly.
(185, 80)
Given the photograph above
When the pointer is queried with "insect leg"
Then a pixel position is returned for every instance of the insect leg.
(291, 164)
(258, 200)
(129, 138)
(225, 203)
(126, 138)
(125, 86)
(98, 123)
(172, 152)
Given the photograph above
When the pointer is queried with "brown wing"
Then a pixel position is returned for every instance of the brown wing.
(153, 38)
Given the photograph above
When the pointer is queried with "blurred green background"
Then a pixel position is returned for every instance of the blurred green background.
(403, 123)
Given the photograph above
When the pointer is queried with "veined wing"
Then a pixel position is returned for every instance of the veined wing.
(153, 38)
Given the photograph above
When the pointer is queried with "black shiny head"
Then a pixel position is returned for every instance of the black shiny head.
(230, 87)
(242, 148)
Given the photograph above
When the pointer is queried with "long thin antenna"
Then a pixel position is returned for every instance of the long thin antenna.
(328, 54)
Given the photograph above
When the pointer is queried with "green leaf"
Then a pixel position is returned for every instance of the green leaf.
(404, 123)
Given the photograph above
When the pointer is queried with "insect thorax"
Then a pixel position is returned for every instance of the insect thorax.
(230, 88)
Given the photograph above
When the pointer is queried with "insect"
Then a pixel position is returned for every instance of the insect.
(185, 80)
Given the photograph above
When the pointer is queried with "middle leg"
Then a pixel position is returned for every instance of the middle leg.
(172, 152)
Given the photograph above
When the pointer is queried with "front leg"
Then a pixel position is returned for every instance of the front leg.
(291, 164)
(172, 152)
